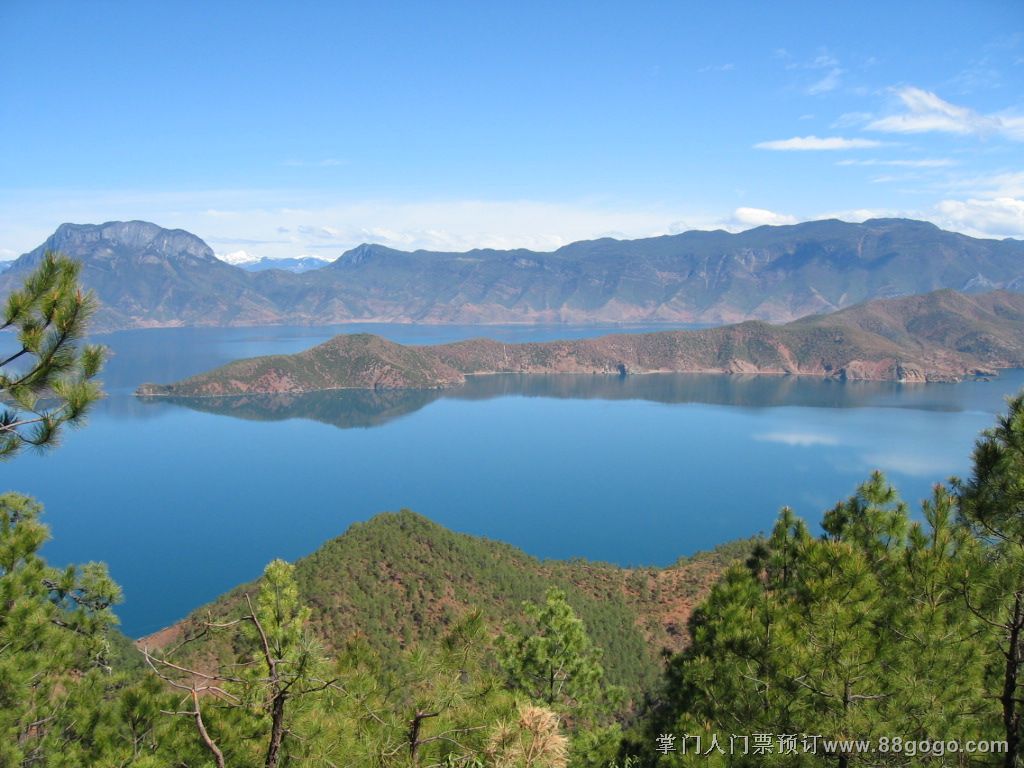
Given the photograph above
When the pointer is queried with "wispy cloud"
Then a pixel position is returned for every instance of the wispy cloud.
(851, 120)
(985, 72)
(1002, 184)
(937, 162)
(803, 143)
(825, 67)
(926, 112)
(242, 241)
(727, 67)
(829, 82)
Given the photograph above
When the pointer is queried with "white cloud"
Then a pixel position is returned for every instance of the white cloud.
(728, 67)
(925, 112)
(851, 119)
(797, 439)
(938, 162)
(799, 143)
(1008, 184)
(1012, 126)
(997, 217)
(828, 83)
(757, 217)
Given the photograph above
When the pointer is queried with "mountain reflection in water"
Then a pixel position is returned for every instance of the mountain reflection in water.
(348, 409)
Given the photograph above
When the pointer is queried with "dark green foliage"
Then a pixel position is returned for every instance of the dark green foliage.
(54, 638)
(552, 660)
(992, 505)
(871, 630)
(400, 580)
(47, 381)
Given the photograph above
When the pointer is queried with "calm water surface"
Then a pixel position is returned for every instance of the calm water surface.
(186, 499)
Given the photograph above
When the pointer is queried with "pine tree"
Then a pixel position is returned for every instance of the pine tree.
(47, 382)
(256, 700)
(861, 633)
(992, 505)
(553, 661)
(53, 638)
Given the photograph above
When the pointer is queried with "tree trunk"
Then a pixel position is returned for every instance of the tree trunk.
(414, 735)
(276, 731)
(1011, 715)
(218, 756)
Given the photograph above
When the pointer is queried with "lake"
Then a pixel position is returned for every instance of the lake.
(185, 500)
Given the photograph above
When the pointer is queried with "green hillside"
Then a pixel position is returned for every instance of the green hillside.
(400, 580)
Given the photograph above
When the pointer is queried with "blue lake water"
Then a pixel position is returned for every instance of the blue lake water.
(184, 500)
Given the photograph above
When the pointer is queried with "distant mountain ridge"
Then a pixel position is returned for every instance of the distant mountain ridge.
(147, 276)
(297, 265)
(253, 263)
(941, 336)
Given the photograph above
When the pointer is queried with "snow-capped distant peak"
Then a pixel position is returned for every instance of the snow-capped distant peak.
(250, 262)
(238, 257)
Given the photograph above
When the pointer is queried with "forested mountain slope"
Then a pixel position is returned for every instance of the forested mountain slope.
(400, 580)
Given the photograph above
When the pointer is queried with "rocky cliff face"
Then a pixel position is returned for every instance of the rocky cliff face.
(148, 276)
(128, 241)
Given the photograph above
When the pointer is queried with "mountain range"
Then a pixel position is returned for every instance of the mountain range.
(939, 336)
(147, 276)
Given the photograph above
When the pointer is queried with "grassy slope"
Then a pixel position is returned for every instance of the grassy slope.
(400, 579)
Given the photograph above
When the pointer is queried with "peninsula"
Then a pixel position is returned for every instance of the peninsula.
(941, 336)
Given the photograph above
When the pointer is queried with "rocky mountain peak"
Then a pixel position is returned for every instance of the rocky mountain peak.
(118, 239)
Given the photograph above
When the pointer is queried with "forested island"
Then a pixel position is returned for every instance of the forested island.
(941, 336)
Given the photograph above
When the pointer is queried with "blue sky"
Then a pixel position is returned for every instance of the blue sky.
(305, 128)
